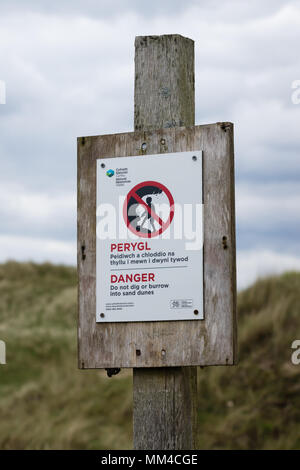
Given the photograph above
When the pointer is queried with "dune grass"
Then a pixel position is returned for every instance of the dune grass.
(47, 403)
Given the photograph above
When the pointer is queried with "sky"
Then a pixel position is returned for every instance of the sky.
(68, 68)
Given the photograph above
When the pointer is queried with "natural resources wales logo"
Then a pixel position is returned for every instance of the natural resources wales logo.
(110, 173)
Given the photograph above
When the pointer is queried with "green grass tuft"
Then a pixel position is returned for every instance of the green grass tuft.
(47, 403)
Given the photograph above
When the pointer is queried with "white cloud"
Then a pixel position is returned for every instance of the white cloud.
(270, 205)
(260, 263)
(40, 250)
(267, 139)
(25, 212)
(35, 207)
(69, 71)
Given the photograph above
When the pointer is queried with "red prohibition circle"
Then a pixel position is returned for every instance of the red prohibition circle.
(163, 225)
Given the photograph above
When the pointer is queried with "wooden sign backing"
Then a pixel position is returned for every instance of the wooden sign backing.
(211, 341)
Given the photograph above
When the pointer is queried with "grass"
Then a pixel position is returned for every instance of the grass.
(47, 403)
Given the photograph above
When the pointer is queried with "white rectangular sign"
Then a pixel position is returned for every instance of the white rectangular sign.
(149, 246)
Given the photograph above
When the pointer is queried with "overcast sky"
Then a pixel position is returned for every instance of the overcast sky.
(68, 69)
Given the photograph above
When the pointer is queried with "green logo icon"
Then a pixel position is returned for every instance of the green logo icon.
(110, 173)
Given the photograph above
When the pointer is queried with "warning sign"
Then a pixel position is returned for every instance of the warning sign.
(139, 209)
(149, 238)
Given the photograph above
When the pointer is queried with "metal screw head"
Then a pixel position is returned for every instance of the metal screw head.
(144, 146)
(102, 315)
(196, 312)
(163, 142)
(194, 158)
(102, 165)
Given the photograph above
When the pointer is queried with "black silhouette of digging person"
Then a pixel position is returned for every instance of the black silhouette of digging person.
(148, 216)
(142, 220)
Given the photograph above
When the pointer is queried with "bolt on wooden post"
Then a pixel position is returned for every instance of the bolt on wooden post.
(165, 336)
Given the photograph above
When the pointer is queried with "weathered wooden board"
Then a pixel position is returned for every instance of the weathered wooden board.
(168, 400)
(176, 343)
(164, 86)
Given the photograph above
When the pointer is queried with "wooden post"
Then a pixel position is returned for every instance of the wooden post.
(164, 399)
(163, 354)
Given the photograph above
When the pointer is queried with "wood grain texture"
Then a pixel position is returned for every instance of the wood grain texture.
(186, 343)
(164, 92)
(164, 400)
(165, 408)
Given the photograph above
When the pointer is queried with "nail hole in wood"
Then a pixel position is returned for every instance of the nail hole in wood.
(138, 352)
(224, 243)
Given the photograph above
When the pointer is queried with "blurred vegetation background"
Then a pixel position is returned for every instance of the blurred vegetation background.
(47, 403)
